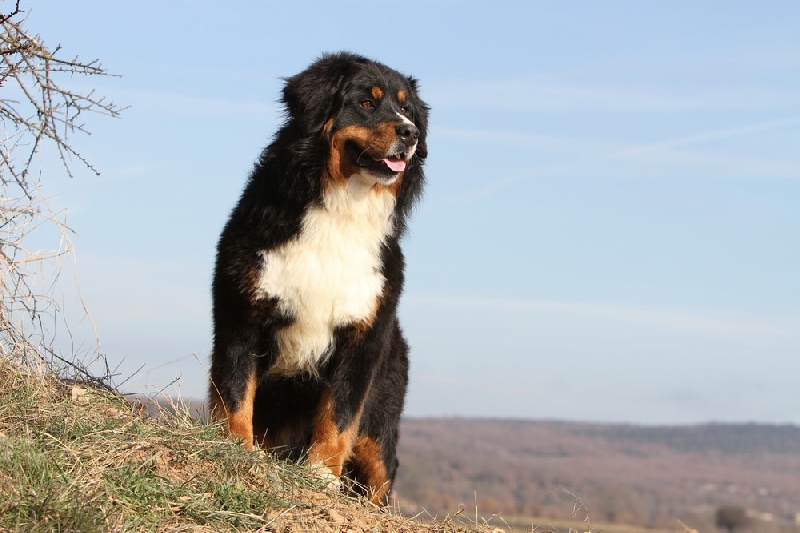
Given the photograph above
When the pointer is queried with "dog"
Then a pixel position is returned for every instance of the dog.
(308, 357)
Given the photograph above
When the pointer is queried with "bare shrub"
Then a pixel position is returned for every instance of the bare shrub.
(38, 109)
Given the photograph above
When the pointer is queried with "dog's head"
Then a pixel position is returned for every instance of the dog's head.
(369, 116)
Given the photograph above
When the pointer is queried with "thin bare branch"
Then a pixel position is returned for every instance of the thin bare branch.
(16, 11)
(38, 108)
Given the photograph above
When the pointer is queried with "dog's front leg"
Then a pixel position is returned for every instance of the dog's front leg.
(338, 416)
(233, 388)
(335, 431)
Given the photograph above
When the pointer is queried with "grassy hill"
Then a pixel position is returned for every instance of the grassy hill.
(74, 458)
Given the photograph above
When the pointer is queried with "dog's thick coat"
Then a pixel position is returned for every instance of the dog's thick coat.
(308, 355)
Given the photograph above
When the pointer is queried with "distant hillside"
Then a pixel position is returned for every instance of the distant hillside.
(641, 475)
(732, 439)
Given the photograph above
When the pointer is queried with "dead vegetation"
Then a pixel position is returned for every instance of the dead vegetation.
(40, 111)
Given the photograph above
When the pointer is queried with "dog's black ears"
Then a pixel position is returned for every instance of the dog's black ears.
(312, 96)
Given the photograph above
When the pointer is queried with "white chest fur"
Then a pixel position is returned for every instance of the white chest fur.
(330, 274)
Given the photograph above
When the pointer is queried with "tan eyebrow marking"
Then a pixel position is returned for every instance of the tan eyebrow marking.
(401, 96)
(377, 93)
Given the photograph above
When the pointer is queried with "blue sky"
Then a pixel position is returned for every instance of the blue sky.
(611, 227)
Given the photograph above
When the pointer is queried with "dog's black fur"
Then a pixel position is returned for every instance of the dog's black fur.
(321, 217)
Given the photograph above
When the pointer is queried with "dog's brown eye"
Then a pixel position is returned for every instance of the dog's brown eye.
(367, 104)
(404, 110)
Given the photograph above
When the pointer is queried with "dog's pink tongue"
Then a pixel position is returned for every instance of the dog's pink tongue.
(397, 165)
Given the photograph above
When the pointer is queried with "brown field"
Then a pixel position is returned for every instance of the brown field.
(646, 476)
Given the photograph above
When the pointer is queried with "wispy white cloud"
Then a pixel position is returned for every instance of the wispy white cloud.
(184, 103)
(602, 153)
(527, 138)
(720, 134)
(203, 106)
(721, 165)
(527, 95)
(129, 171)
(166, 102)
(765, 59)
(477, 193)
(671, 319)
(142, 279)
(492, 386)
(673, 151)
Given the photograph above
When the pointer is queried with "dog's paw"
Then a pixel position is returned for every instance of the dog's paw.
(326, 475)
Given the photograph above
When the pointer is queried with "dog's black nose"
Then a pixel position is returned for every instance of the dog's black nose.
(408, 133)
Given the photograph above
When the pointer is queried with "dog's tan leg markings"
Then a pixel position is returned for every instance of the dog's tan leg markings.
(367, 454)
(238, 423)
(330, 447)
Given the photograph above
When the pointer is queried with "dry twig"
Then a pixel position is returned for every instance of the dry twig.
(37, 108)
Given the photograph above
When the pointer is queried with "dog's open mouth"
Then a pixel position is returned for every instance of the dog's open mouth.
(389, 166)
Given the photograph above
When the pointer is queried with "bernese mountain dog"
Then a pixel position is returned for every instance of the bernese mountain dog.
(309, 360)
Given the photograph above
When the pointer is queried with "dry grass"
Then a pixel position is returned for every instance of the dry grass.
(76, 458)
